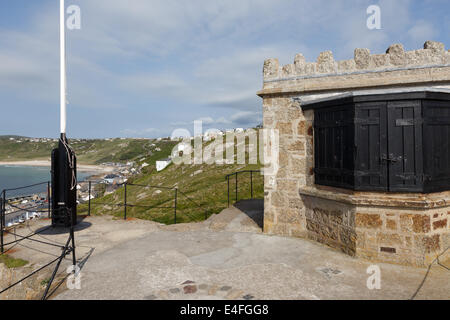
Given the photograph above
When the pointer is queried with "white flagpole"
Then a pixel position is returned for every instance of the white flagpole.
(62, 36)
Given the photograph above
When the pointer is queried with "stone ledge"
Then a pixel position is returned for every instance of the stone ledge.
(379, 199)
(365, 80)
(328, 75)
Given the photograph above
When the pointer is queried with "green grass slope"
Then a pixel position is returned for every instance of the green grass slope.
(92, 151)
(202, 191)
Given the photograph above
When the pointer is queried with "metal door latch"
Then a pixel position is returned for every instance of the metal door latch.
(391, 158)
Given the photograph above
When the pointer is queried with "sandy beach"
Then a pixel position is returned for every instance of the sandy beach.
(47, 163)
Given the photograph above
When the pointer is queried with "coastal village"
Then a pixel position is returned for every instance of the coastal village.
(111, 175)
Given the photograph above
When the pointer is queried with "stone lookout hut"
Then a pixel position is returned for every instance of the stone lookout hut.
(364, 152)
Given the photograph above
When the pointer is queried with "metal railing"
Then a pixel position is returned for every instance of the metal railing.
(68, 248)
(5, 201)
(176, 193)
(236, 174)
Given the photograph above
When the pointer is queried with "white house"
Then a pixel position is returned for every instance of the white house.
(86, 198)
(111, 178)
(162, 164)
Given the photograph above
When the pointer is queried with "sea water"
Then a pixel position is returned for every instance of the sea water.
(12, 176)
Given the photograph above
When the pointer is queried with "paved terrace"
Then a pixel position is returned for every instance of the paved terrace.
(225, 257)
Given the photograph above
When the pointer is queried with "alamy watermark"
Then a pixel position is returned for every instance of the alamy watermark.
(74, 279)
(236, 146)
(73, 21)
(374, 280)
(374, 19)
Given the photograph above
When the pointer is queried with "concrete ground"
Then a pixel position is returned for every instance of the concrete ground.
(225, 257)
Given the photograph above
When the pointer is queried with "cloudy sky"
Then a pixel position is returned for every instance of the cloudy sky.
(141, 68)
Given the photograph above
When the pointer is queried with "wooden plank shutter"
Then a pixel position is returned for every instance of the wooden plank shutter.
(436, 132)
(334, 143)
(404, 158)
(371, 146)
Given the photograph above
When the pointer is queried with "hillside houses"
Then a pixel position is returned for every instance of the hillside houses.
(113, 179)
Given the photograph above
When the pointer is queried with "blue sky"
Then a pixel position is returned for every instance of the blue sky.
(142, 68)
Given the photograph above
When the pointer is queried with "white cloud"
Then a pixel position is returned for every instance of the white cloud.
(140, 132)
(246, 117)
(26, 65)
(159, 84)
(200, 58)
(238, 119)
(422, 31)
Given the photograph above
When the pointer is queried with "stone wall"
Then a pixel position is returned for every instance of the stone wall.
(368, 230)
(395, 58)
(284, 212)
(403, 236)
(395, 228)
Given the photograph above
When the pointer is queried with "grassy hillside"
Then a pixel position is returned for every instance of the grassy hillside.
(11, 150)
(93, 151)
(202, 190)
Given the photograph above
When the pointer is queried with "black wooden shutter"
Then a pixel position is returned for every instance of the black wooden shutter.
(404, 158)
(371, 146)
(436, 132)
(390, 142)
(334, 143)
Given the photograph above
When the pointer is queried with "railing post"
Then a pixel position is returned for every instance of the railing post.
(251, 183)
(2, 214)
(175, 207)
(48, 198)
(89, 200)
(4, 208)
(72, 235)
(125, 203)
(228, 184)
(236, 179)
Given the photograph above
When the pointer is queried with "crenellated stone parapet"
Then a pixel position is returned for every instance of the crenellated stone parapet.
(395, 58)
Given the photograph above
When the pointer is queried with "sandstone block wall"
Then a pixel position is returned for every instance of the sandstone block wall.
(284, 212)
(378, 227)
(367, 230)
(403, 236)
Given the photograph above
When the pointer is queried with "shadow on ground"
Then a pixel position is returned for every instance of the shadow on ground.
(50, 230)
(253, 208)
